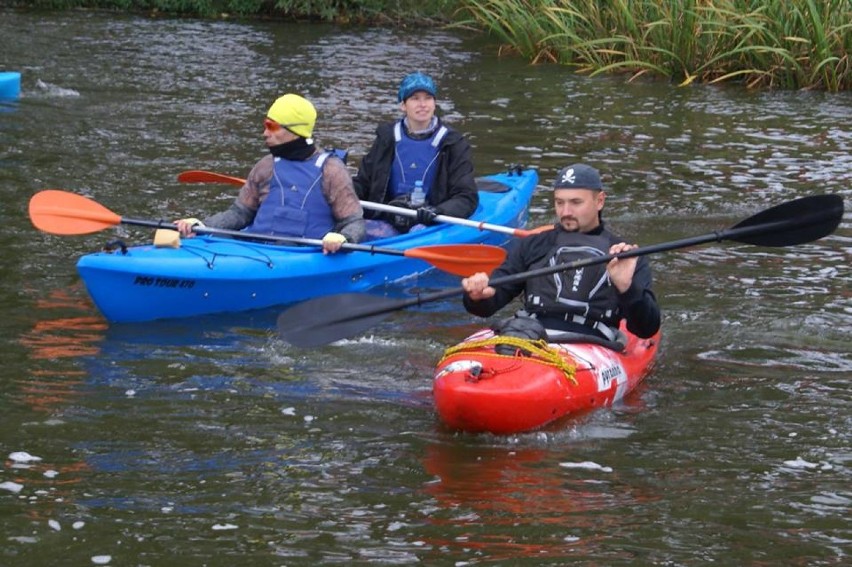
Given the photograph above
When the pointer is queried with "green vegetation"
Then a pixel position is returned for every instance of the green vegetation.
(788, 44)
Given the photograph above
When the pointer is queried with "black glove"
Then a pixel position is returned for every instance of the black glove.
(401, 223)
(426, 215)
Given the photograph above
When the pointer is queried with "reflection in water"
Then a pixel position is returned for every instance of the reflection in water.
(49, 339)
(54, 385)
(53, 381)
(534, 495)
(48, 391)
(511, 503)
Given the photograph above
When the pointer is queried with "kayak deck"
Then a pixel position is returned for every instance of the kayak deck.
(476, 389)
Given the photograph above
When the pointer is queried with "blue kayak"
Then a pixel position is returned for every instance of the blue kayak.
(214, 274)
(10, 85)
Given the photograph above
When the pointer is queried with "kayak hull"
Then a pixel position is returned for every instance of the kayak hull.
(10, 85)
(477, 390)
(208, 274)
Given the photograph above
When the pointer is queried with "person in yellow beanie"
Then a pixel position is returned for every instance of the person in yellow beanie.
(417, 162)
(297, 190)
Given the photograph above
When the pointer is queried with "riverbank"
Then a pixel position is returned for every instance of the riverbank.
(798, 44)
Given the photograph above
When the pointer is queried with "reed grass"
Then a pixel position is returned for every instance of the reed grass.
(790, 44)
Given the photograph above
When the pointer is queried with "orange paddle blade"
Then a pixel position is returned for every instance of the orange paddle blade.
(460, 259)
(197, 176)
(61, 212)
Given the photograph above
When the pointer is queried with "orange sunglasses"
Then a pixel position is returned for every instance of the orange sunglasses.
(271, 125)
(274, 126)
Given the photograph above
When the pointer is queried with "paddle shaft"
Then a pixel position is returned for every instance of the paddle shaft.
(263, 237)
(61, 212)
(735, 233)
(445, 219)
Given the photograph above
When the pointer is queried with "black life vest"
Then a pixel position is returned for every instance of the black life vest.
(580, 295)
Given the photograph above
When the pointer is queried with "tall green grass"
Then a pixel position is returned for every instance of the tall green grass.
(790, 44)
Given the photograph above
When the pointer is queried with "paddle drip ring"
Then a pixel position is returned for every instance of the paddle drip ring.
(537, 349)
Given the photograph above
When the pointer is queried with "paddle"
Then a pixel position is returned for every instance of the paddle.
(521, 232)
(324, 320)
(61, 212)
(198, 176)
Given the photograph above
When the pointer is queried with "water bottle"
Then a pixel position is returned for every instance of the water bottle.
(418, 196)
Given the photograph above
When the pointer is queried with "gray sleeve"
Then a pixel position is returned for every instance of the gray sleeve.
(353, 228)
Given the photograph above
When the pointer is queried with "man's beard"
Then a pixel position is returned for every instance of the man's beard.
(575, 229)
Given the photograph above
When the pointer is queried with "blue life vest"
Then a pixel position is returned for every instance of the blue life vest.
(295, 205)
(414, 161)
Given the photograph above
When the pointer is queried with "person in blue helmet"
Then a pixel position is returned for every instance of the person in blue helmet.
(416, 150)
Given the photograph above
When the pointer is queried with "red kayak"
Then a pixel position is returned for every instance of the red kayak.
(478, 390)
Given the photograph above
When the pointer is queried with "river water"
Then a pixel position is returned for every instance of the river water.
(211, 442)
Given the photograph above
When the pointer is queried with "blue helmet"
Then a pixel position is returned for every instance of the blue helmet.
(416, 82)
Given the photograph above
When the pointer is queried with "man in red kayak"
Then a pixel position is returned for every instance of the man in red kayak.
(591, 300)
(297, 190)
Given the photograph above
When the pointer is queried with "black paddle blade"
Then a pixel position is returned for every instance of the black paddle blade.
(795, 222)
(323, 320)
